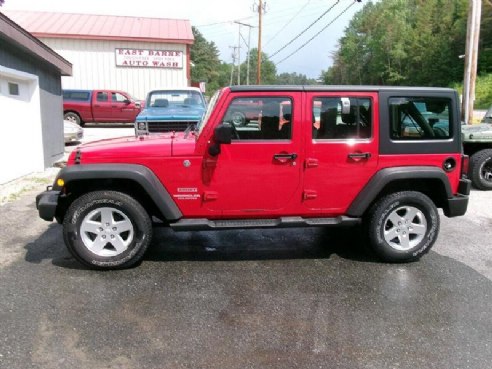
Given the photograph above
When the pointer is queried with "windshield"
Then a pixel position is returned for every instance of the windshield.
(173, 98)
(210, 108)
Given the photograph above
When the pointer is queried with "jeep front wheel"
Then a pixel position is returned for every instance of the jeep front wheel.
(403, 226)
(107, 230)
(481, 169)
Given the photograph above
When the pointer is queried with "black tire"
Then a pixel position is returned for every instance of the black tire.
(238, 119)
(480, 170)
(107, 230)
(74, 118)
(411, 217)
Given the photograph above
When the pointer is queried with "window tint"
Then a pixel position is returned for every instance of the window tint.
(265, 118)
(420, 118)
(175, 98)
(76, 95)
(102, 96)
(116, 97)
(342, 117)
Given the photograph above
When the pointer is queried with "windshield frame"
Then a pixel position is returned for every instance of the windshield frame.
(206, 116)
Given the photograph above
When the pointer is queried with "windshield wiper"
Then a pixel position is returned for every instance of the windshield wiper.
(191, 127)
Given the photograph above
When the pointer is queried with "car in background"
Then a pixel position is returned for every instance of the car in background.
(169, 110)
(72, 132)
(92, 106)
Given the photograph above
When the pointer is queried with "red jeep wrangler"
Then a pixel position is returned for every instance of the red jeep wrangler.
(309, 156)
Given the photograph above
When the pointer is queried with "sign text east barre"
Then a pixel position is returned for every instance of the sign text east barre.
(149, 58)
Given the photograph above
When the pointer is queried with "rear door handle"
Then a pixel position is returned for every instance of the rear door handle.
(359, 155)
(283, 157)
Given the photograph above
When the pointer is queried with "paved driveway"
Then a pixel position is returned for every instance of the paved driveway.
(294, 298)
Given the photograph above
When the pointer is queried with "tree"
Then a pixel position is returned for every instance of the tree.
(268, 69)
(294, 79)
(205, 61)
(403, 42)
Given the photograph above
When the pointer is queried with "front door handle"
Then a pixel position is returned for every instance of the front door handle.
(359, 155)
(283, 157)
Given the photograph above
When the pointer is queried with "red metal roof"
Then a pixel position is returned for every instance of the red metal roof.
(103, 27)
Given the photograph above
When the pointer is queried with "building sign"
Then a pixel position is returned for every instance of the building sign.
(149, 58)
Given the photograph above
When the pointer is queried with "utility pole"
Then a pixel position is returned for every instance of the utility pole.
(471, 57)
(239, 55)
(247, 44)
(258, 67)
(233, 62)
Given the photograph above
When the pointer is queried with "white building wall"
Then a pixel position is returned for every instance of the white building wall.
(21, 142)
(94, 66)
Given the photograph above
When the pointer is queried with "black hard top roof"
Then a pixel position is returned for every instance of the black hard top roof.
(351, 88)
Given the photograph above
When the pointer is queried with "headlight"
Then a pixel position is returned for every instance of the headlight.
(141, 126)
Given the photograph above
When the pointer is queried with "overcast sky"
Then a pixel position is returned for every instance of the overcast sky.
(282, 22)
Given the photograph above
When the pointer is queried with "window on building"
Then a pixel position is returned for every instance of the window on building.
(13, 89)
(341, 118)
(265, 118)
(420, 118)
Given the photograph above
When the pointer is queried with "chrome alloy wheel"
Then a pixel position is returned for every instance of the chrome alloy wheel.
(106, 232)
(405, 228)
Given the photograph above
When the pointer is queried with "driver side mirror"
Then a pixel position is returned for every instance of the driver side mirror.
(222, 135)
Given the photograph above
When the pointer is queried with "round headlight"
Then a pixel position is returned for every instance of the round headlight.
(142, 126)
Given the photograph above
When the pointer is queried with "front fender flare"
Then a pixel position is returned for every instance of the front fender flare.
(138, 173)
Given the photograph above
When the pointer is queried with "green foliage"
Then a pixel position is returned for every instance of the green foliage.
(405, 42)
(268, 69)
(294, 79)
(483, 91)
(206, 65)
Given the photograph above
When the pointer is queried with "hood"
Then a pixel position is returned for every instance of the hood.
(124, 149)
(178, 112)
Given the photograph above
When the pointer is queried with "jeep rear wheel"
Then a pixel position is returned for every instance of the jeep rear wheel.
(481, 169)
(403, 226)
(107, 230)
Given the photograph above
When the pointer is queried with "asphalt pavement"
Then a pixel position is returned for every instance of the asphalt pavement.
(291, 298)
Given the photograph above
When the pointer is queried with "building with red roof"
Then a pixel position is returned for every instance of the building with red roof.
(134, 54)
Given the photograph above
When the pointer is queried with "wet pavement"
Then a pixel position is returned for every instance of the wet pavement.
(295, 298)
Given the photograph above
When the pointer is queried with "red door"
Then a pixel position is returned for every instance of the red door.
(123, 109)
(341, 149)
(259, 173)
(101, 107)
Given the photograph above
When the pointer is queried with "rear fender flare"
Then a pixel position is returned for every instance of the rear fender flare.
(385, 176)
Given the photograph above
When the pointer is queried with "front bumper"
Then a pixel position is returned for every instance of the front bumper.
(457, 205)
(46, 203)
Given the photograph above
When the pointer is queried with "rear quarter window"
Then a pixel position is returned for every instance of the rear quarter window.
(76, 95)
(420, 118)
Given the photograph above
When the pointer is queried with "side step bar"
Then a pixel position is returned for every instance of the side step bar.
(202, 224)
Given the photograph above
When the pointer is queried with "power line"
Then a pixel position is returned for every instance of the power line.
(224, 22)
(305, 30)
(288, 22)
(317, 34)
